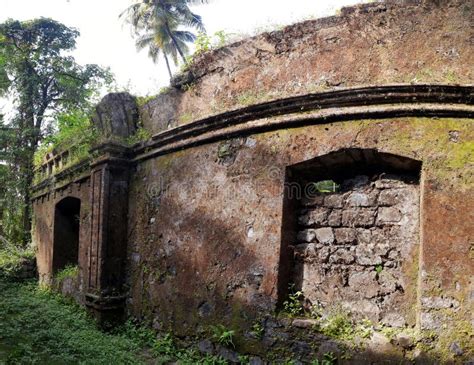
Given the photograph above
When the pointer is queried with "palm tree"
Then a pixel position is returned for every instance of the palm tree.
(165, 16)
(158, 40)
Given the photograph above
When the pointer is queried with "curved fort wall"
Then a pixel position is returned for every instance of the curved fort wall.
(377, 100)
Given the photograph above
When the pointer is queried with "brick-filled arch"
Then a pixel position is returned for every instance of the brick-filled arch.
(351, 233)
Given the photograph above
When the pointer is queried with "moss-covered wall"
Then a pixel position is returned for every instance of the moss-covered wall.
(205, 226)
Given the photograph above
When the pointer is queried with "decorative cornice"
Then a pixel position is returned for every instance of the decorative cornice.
(372, 102)
(343, 105)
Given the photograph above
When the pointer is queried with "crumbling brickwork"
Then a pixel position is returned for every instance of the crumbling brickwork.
(352, 245)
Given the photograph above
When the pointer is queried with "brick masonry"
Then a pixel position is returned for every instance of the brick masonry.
(351, 246)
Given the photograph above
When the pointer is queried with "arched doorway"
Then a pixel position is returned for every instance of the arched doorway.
(66, 233)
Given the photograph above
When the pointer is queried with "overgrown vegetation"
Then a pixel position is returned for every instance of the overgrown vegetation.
(42, 80)
(39, 326)
(70, 271)
(223, 335)
(140, 135)
(328, 359)
(293, 306)
(12, 257)
(75, 133)
(334, 322)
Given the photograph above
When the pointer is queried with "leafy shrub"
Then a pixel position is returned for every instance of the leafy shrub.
(293, 305)
(328, 359)
(140, 135)
(223, 335)
(338, 325)
(12, 258)
(70, 271)
(75, 133)
(258, 330)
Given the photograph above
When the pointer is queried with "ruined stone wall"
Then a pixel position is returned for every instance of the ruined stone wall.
(355, 244)
(209, 238)
(210, 231)
(205, 241)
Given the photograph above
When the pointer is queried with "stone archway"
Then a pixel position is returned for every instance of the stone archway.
(66, 233)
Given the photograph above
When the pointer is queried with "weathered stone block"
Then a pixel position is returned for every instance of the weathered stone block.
(323, 254)
(388, 282)
(389, 182)
(345, 235)
(334, 201)
(366, 257)
(315, 217)
(390, 197)
(394, 319)
(388, 215)
(116, 115)
(335, 218)
(307, 235)
(439, 303)
(366, 307)
(342, 256)
(324, 235)
(364, 282)
(362, 217)
(430, 321)
(304, 323)
(364, 236)
(362, 199)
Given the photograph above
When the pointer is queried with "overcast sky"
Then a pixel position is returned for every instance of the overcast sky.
(105, 40)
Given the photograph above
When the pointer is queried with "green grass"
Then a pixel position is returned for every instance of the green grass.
(38, 326)
(69, 271)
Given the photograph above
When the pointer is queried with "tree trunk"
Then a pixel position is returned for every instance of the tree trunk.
(28, 140)
(170, 33)
(167, 64)
(178, 48)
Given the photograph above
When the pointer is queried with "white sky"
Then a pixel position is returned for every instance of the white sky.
(105, 40)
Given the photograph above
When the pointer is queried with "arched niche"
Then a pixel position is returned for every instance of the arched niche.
(350, 233)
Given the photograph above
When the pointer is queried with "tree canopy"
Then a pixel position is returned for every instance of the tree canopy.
(42, 79)
(156, 25)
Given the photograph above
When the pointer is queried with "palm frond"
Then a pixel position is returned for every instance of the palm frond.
(185, 36)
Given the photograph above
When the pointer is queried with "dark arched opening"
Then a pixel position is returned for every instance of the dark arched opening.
(66, 233)
(350, 232)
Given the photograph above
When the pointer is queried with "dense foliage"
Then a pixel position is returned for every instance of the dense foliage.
(75, 133)
(42, 79)
(39, 326)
